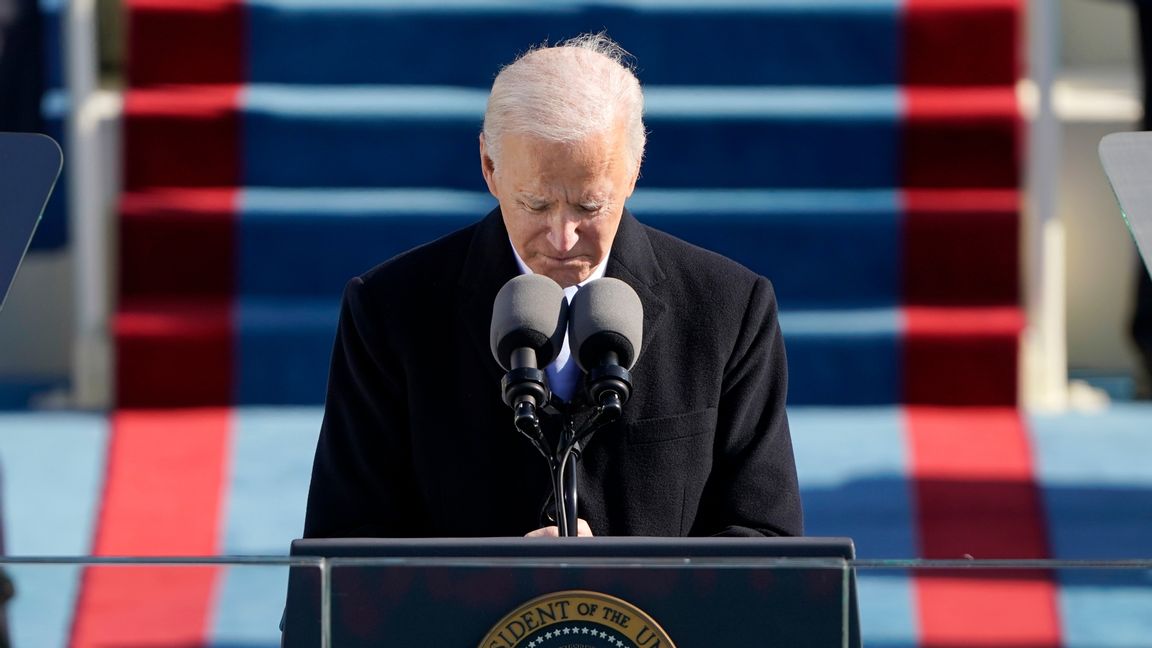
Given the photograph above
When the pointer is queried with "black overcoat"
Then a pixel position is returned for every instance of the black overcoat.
(416, 441)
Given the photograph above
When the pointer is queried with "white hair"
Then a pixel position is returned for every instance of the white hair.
(565, 93)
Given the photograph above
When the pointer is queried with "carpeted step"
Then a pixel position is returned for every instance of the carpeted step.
(171, 352)
(195, 352)
(848, 42)
(895, 355)
(288, 253)
(387, 136)
(821, 249)
(276, 351)
(178, 243)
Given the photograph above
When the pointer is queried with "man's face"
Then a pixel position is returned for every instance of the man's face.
(561, 202)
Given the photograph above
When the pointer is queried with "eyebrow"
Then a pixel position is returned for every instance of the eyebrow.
(595, 200)
(589, 200)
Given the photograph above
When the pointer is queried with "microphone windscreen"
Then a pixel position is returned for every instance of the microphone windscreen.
(529, 311)
(606, 316)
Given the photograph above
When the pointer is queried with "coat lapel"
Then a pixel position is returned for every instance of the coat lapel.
(489, 264)
(634, 262)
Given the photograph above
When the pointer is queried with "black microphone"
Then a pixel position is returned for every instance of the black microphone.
(529, 319)
(606, 326)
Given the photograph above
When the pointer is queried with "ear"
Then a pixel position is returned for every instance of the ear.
(488, 167)
(632, 183)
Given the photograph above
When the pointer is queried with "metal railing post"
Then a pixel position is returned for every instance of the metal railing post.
(91, 352)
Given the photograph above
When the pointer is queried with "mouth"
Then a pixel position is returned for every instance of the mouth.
(572, 260)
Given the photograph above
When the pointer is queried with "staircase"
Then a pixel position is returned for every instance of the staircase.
(861, 154)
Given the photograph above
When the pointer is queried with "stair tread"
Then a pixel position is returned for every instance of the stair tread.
(263, 201)
(731, 138)
(565, 6)
(269, 350)
(847, 320)
(660, 101)
(735, 41)
(281, 240)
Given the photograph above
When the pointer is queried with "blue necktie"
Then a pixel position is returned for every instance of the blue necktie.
(564, 373)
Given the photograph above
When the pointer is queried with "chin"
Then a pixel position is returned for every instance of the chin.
(565, 276)
(565, 273)
(566, 279)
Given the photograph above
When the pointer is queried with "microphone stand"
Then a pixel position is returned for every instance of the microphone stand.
(526, 419)
(564, 456)
(564, 488)
(610, 409)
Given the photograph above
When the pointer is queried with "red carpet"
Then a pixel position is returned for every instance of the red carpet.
(165, 483)
(940, 33)
(174, 353)
(961, 356)
(976, 495)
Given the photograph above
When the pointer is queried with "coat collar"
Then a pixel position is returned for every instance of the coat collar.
(489, 263)
(634, 262)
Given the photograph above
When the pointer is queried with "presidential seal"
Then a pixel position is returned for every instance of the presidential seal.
(577, 619)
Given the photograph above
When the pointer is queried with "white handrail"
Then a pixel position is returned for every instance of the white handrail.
(1045, 356)
(89, 240)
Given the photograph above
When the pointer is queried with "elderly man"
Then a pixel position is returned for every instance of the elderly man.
(416, 440)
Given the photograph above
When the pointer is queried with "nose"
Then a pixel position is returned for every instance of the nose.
(562, 233)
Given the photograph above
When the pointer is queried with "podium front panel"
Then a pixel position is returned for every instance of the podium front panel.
(581, 602)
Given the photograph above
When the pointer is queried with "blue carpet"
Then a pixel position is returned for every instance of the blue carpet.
(288, 238)
(290, 280)
(53, 472)
(271, 464)
(388, 136)
(1094, 472)
(842, 42)
(853, 477)
(850, 357)
(1097, 486)
(283, 349)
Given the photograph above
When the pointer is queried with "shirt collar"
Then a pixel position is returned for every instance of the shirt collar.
(597, 272)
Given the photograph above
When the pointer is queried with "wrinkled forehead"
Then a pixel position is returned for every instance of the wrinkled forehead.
(599, 152)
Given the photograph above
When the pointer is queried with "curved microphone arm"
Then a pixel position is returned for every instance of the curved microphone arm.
(610, 386)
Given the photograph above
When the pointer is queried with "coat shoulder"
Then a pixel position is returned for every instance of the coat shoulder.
(699, 269)
(436, 264)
